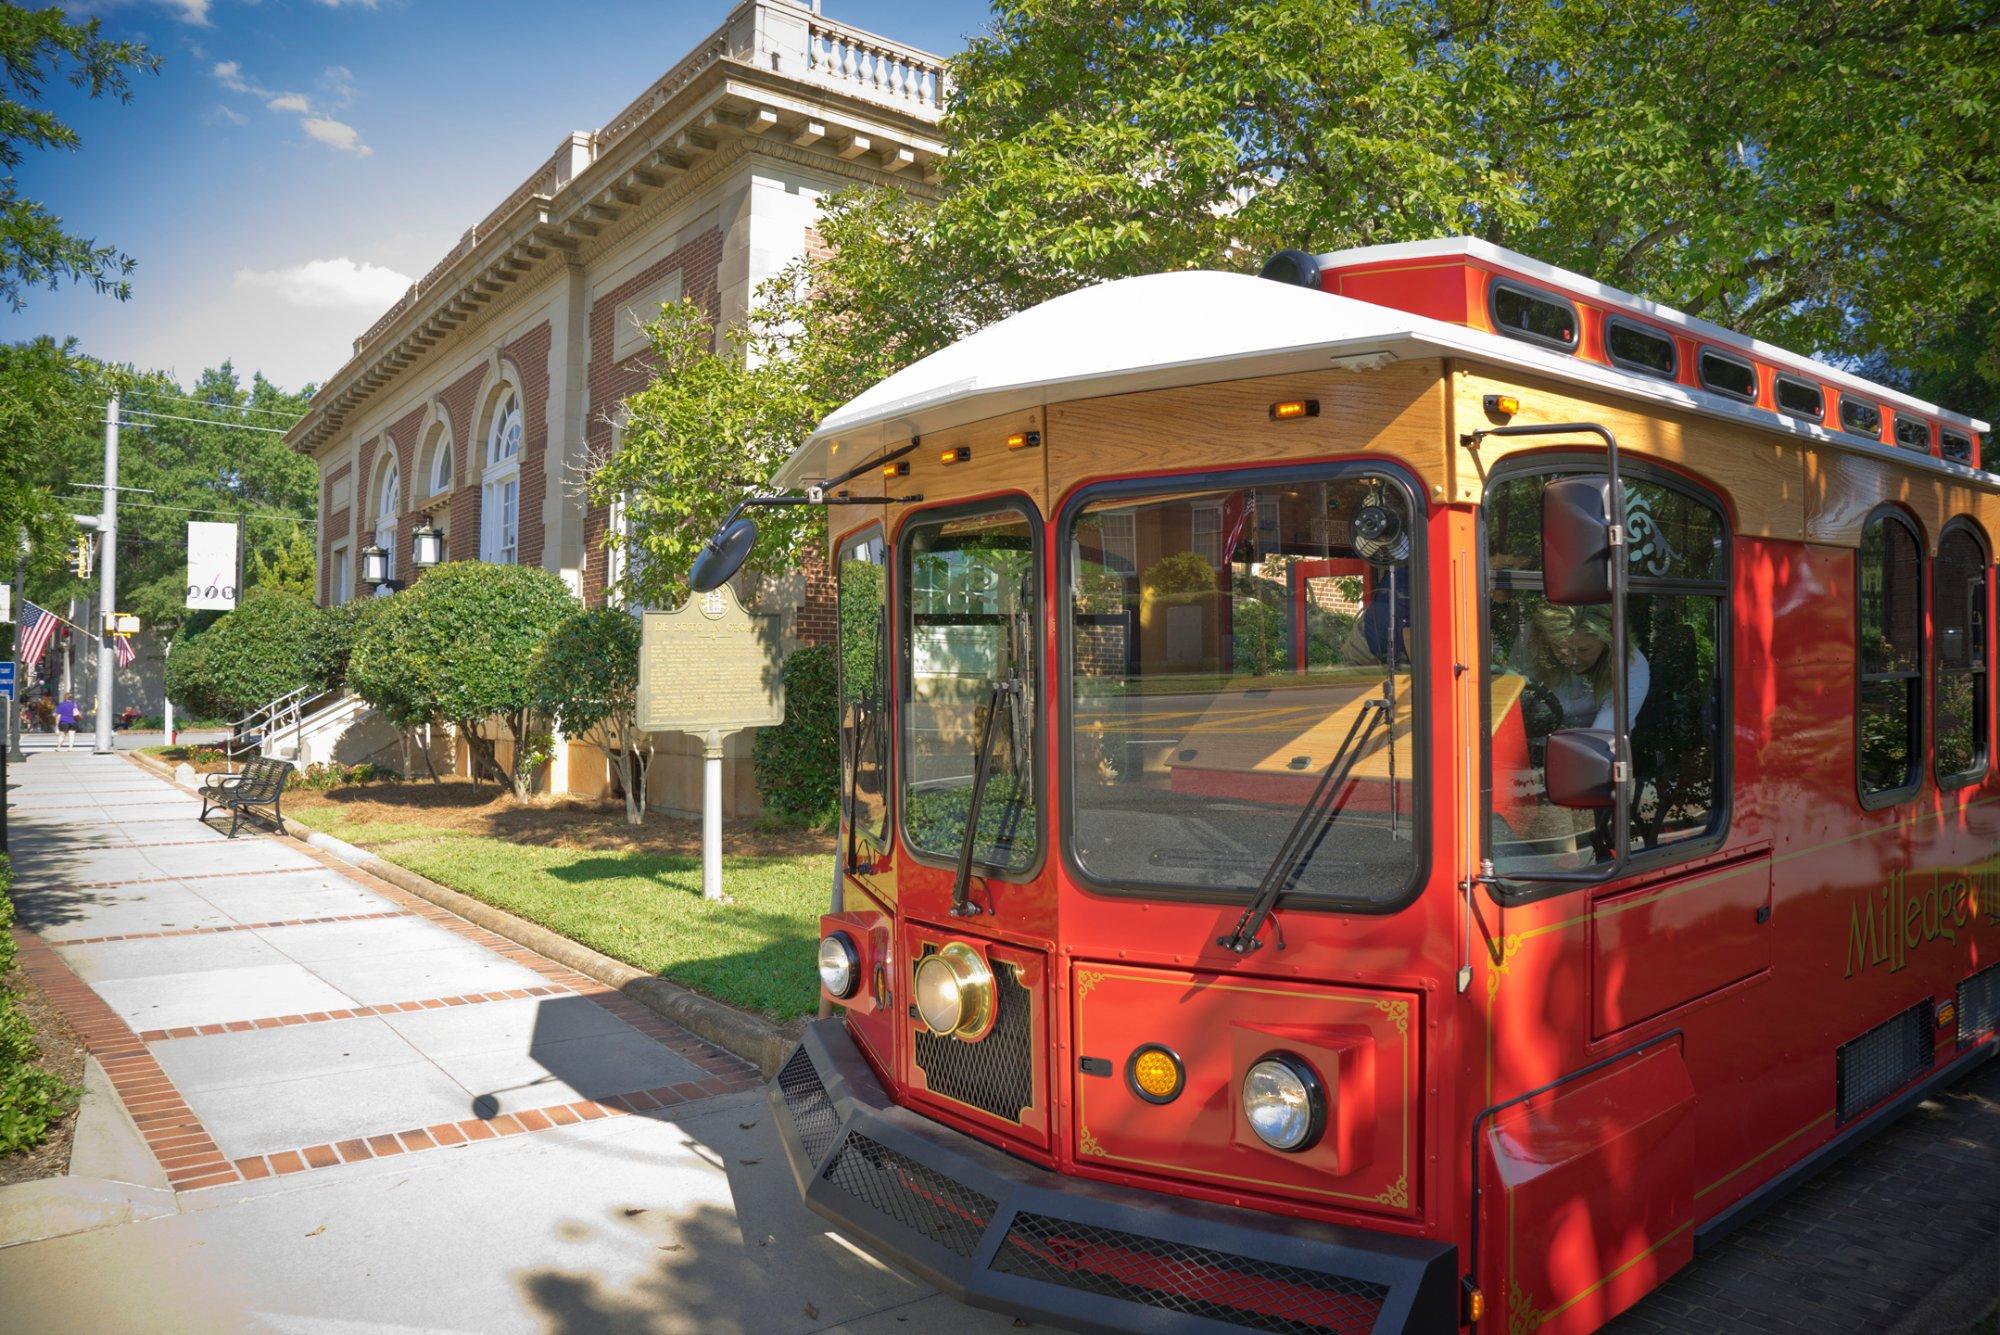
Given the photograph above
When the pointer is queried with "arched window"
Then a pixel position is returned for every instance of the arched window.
(438, 449)
(388, 503)
(1890, 652)
(500, 492)
(1959, 613)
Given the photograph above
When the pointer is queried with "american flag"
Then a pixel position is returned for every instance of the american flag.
(123, 645)
(38, 626)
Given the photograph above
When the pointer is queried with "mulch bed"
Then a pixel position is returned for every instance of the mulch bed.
(63, 1054)
(459, 806)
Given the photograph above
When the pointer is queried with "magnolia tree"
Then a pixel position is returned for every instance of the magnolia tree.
(458, 647)
(586, 680)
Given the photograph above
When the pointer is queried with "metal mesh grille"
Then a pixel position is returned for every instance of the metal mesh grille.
(996, 1074)
(1176, 1277)
(1883, 1060)
(919, 1198)
(1979, 1004)
(813, 1114)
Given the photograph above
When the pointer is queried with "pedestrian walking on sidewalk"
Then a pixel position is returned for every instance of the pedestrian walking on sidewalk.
(66, 713)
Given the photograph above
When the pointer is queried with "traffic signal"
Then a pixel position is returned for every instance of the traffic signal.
(82, 562)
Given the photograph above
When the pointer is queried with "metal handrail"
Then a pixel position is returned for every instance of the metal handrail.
(287, 711)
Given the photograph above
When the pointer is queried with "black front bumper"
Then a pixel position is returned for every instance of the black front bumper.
(999, 1233)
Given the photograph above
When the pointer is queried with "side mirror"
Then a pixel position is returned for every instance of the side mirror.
(1581, 765)
(723, 555)
(1576, 540)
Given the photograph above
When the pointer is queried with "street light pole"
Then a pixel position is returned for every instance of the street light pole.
(107, 578)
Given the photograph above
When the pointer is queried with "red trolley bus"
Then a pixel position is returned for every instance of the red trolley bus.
(1411, 796)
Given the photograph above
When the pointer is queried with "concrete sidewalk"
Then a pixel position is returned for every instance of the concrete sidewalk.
(368, 1110)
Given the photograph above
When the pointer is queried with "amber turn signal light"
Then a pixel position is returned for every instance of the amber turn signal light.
(1155, 1074)
(1024, 440)
(901, 468)
(1501, 405)
(1294, 408)
(957, 454)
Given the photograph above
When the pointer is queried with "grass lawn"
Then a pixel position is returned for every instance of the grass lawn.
(576, 868)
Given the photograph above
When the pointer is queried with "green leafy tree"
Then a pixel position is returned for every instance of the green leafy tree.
(586, 680)
(458, 648)
(1779, 169)
(51, 403)
(330, 644)
(250, 657)
(288, 565)
(37, 45)
(710, 428)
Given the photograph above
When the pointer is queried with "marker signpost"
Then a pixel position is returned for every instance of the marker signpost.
(710, 668)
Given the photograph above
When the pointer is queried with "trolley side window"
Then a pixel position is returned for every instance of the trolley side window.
(1549, 667)
(1891, 654)
(1958, 610)
(862, 595)
(1957, 447)
(1800, 398)
(1538, 317)
(1240, 668)
(1861, 417)
(973, 606)
(1639, 348)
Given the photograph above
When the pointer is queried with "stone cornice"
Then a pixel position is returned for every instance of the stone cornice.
(704, 118)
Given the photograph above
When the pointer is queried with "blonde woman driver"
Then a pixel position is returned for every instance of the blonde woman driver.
(1566, 651)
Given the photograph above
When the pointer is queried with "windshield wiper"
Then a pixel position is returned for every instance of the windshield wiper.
(1315, 818)
(982, 764)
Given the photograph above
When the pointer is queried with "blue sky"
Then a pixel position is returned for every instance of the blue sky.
(296, 161)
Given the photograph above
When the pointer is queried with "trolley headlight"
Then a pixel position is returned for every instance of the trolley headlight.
(1284, 1102)
(955, 992)
(839, 965)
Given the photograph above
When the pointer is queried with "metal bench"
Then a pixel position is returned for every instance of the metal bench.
(261, 784)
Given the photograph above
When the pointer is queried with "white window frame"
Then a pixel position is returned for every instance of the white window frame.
(341, 590)
(500, 483)
(440, 471)
(388, 508)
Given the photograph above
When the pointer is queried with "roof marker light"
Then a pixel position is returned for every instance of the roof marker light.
(1024, 440)
(957, 454)
(1501, 405)
(1291, 409)
(901, 468)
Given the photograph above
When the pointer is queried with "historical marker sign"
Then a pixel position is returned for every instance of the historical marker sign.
(708, 666)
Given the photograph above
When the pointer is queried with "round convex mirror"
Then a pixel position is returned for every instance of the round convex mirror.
(723, 556)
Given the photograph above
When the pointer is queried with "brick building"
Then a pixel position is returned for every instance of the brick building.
(476, 401)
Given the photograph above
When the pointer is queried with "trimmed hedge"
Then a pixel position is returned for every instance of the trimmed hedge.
(249, 658)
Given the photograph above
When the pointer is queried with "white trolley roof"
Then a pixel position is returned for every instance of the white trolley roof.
(1196, 327)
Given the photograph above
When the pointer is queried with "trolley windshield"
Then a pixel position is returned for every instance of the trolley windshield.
(1224, 643)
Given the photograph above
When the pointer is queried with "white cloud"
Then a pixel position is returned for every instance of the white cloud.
(289, 102)
(226, 115)
(337, 135)
(229, 74)
(190, 11)
(357, 4)
(338, 282)
(338, 81)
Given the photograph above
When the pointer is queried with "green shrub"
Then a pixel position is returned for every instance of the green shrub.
(332, 774)
(330, 643)
(247, 659)
(798, 762)
(31, 1099)
(458, 648)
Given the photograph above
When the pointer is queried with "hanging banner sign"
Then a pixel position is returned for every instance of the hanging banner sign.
(211, 574)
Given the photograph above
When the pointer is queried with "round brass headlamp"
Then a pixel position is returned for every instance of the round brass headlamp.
(954, 990)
